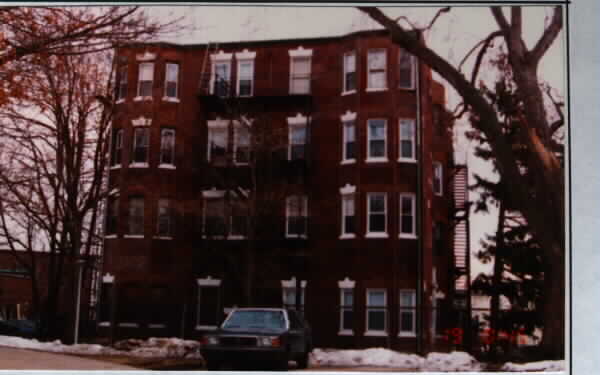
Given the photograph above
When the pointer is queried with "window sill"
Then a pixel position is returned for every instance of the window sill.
(170, 99)
(134, 236)
(128, 325)
(157, 326)
(245, 96)
(116, 166)
(407, 88)
(407, 334)
(347, 236)
(376, 89)
(119, 101)
(110, 236)
(348, 161)
(407, 236)
(376, 333)
(405, 160)
(139, 165)
(166, 166)
(236, 237)
(376, 160)
(214, 237)
(206, 328)
(438, 194)
(301, 236)
(142, 99)
(345, 332)
(300, 93)
(344, 93)
(238, 164)
(104, 324)
(376, 235)
(168, 238)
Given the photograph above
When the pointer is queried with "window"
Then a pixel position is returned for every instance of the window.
(221, 78)
(407, 140)
(376, 312)
(239, 216)
(145, 78)
(376, 140)
(208, 310)
(348, 216)
(167, 147)
(300, 75)
(377, 212)
(241, 144)
(346, 311)
(217, 142)
(122, 82)
(141, 141)
(349, 151)
(214, 217)
(377, 77)
(407, 215)
(112, 215)
(296, 216)
(171, 80)
(297, 142)
(407, 313)
(437, 178)
(406, 70)
(245, 81)
(349, 72)
(136, 217)
(163, 228)
(117, 147)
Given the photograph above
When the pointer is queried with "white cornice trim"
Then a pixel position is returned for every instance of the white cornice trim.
(141, 121)
(346, 283)
(348, 189)
(213, 193)
(245, 55)
(108, 278)
(300, 52)
(348, 116)
(291, 283)
(208, 281)
(299, 119)
(146, 56)
(221, 56)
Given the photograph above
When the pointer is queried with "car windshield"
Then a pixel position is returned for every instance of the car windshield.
(255, 319)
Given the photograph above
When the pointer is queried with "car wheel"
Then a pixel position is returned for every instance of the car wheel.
(213, 365)
(303, 360)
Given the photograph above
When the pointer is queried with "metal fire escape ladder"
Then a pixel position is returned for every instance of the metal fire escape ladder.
(461, 231)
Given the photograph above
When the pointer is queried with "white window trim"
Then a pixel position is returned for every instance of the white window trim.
(141, 121)
(298, 121)
(138, 97)
(212, 195)
(412, 309)
(240, 61)
(157, 326)
(369, 332)
(110, 236)
(413, 70)
(164, 238)
(346, 118)
(128, 325)
(370, 88)
(146, 56)
(139, 165)
(207, 282)
(413, 141)
(377, 159)
(219, 57)
(303, 213)
(291, 284)
(165, 96)
(304, 53)
(412, 235)
(133, 236)
(166, 166)
(437, 166)
(344, 90)
(344, 285)
(370, 234)
(345, 194)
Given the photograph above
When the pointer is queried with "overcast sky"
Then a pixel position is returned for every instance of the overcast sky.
(453, 35)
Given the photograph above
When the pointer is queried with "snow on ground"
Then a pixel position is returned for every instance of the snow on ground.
(380, 357)
(535, 366)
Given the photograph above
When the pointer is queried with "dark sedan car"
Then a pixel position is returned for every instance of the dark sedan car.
(266, 335)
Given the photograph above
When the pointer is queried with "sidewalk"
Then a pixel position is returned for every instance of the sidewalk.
(21, 359)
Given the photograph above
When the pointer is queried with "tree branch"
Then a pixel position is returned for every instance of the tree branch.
(549, 35)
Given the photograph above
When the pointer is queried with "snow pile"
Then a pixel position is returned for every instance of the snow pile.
(455, 361)
(380, 357)
(535, 366)
(153, 347)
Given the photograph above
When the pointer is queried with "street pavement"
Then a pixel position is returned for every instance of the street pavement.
(22, 359)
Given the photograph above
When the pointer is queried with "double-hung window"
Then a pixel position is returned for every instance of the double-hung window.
(349, 73)
(297, 142)
(245, 75)
(376, 140)
(438, 185)
(348, 216)
(241, 144)
(171, 80)
(117, 147)
(221, 78)
(377, 73)
(122, 82)
(208, 309)
(407, 140)
(296, 216)
(407, 215)
(215, 224)
(407, 313)
(349, 151)
(300, 75)
(406, 72)
(346, 311)
(167, 147)
(377, 215)
(239, 216)
(217, 140)
(376, 312)
(145, 79)
(289, 288)
(163, 225)
(135, 220)
(141, 143)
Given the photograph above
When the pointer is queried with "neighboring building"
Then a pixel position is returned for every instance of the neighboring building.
(361, 209)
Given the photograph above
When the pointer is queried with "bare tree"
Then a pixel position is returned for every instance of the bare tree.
(539, 196)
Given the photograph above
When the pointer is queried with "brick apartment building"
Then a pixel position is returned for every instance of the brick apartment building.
(243, 173)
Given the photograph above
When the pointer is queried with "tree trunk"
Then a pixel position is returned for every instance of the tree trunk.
(496, 281)
(553, 339)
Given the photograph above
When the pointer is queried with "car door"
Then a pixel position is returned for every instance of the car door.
(297, 333)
